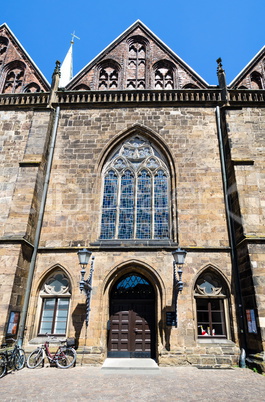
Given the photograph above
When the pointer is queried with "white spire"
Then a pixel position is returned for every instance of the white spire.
(67, 65)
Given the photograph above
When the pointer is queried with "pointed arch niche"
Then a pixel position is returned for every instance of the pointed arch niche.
(108, 75)
(136, 63)
(54, 303)
(15, 72)
(164, 75)
(136, 192)
(211, 294)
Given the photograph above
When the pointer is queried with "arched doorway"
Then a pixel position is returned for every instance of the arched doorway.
(132, 329)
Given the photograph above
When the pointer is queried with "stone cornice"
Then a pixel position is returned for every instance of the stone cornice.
(96, 247)
(15, 240)
(193, 97)
(252, 240)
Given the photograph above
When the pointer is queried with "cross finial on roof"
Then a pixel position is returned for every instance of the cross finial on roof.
(74, 36)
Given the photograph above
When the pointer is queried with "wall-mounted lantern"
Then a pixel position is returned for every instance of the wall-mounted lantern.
(85, 285)
(179, 259)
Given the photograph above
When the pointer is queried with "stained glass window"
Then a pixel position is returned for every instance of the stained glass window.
(161, 205)
(126, 217)
(109, 210)
(135, 201)
(144, 206)
(133, 286)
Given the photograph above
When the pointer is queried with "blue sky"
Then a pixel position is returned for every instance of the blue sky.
(198, 31)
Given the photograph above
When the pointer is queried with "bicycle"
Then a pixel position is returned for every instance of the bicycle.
(11, 359)
(64, 357)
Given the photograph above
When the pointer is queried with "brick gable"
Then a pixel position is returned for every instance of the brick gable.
(17, 71)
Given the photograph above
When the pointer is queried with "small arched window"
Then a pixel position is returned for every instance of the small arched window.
(55, 296)
(211, 304)
(136, 193)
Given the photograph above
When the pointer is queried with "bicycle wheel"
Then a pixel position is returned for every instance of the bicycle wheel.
(19, 359)
(66, 358)
(35, 358)
(2, 365)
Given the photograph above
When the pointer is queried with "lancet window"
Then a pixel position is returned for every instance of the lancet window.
(135, 193)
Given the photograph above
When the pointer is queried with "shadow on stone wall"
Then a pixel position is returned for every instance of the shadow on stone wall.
(78, 319)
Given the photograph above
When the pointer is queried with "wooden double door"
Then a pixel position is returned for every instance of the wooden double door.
(132, 322)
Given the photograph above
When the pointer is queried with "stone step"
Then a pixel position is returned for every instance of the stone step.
(129, 364)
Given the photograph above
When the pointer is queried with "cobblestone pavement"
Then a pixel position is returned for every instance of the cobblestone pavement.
(83, 383)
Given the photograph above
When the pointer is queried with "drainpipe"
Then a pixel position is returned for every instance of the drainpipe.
(23, 318)
(232, 239)
(228, 208)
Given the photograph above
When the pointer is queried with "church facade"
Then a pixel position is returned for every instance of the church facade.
(135, 160)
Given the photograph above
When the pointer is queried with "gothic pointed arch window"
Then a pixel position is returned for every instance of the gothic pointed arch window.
(136, 70)
(55, 297)
(211, 295)
(136, 193)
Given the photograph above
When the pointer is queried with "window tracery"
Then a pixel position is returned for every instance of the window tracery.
(108, 78)
(164, 74)
(14, 77)
(211, 297)
(55, 294)
(108, 75)
(135, 195)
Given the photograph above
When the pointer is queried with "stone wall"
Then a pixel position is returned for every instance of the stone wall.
(246, 136)
(24, 139)
(85, 138)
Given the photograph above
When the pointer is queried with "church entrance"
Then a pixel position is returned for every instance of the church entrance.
(132, 318)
